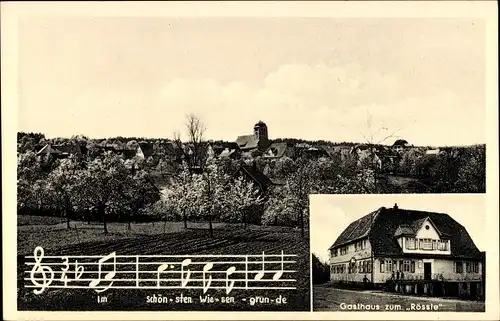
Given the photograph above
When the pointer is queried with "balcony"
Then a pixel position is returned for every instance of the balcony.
(436, 277)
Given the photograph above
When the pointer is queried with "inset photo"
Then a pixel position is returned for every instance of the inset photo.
(398, 252)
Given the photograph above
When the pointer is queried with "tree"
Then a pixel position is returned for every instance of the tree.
(103, 185)
(180, 196)
(284, 167)
(472, 171)
(209, 189)
(280, 209)
(62, 182)
(374, 139)
(140, 192)
(320, 270)
(300, 184)
(194, 153)
(242, 196)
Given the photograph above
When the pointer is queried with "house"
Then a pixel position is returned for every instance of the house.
(389, 160)
(230, 153)
(261, 181)
(278, 150)
(366, 156)
(259, 141)
(432, 151)
(145, 150)
(310, 151)
(226, 150)
(409, 251)
(62, 151)
(399, 145)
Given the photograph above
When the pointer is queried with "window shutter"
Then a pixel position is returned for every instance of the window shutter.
(382, 266)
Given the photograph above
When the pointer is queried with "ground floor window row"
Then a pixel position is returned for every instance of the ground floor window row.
(470, 267)
(397, 266)
(364, 266)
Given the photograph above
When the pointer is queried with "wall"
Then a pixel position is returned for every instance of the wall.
(440, 269)
(360, 255)
(431, 233)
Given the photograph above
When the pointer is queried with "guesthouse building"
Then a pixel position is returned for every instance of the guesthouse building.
(408, 251)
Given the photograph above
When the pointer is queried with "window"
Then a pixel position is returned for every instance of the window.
(459, 267)
(434, 244)
(382, 266)
(471, 267)
(420, 244)
(427, 244)
(406, 266)
(368, 266)
(412, 269)
(443, 245)
(388, 267)
(410, 243)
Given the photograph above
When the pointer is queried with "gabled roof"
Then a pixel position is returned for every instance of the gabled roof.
(276, 150)
(227, 152)
(356, 230)
(62, 150)
(146, 148)
(382, 226)
(48, 149)
(70, 149)
(257, 176)
(247, 141)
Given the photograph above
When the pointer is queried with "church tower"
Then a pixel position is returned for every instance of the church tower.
(260, 131)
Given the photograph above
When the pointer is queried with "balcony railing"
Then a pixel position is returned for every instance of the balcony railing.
(436, 277)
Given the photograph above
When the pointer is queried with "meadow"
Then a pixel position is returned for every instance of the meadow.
(158, 238)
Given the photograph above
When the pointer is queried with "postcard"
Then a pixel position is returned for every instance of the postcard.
(312, 160)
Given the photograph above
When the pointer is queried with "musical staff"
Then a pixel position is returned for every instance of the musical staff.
(204, 272)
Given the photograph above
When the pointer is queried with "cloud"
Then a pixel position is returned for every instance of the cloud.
(315, 102)
(328, 102)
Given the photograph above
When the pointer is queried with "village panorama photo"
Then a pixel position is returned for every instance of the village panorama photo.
(398, 252)
(166, 163)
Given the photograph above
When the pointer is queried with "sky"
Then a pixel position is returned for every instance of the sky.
(309, 78)
(331, 214)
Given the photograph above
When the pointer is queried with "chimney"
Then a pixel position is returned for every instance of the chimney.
(396, 206)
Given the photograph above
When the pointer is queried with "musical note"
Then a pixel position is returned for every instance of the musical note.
(39, 268)
(229, 286)
(279, 274)
(206, 285)
(260, 275)
(108, 275)
(160, 270)
(184, 281)
(137, 271)
(246, 271)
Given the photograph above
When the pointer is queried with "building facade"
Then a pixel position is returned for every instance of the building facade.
(408, 251)
(259, 141)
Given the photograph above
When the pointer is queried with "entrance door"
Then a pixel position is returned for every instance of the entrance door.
(427, 271)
